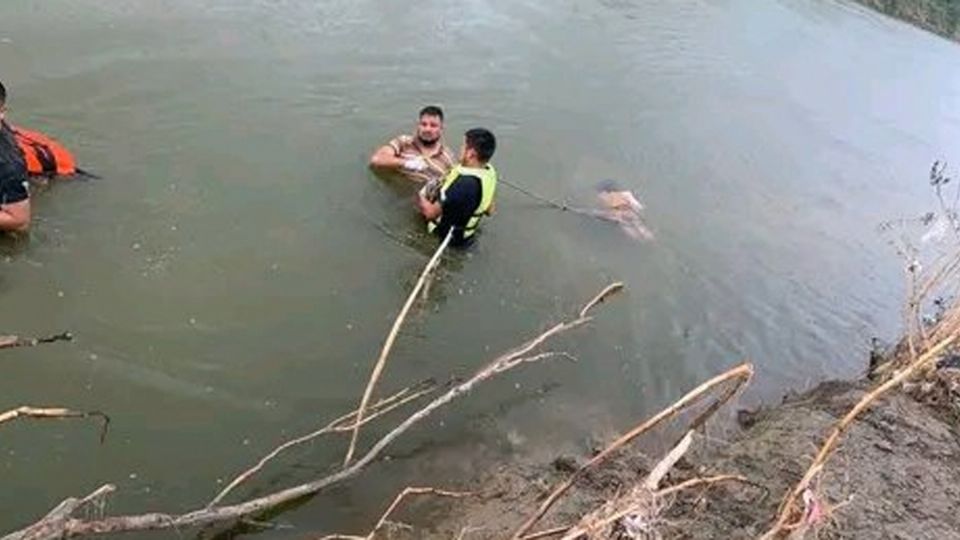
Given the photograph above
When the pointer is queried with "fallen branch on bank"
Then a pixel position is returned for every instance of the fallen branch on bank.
(741, 375)
(46, 413)
(638, 512)
(70, 527)
(388, 344)
(12, 342)
(787, 518)
(384, 519)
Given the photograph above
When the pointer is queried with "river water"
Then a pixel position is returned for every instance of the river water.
(231, 277)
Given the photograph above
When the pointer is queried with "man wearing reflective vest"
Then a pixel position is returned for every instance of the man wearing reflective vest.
(467, 192)
(14, 195)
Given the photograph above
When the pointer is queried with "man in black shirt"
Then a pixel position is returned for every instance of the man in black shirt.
(466, 194)
(14, 196)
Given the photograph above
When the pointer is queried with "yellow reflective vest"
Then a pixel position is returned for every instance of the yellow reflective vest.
(488, 188)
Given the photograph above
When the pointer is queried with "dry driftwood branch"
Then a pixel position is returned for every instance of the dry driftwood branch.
(640, 500)
(383, 521)
(74, 528)
(59, 518)
(10, 342)
(787, 507)
(54, 412)
(388, 344)
(741, 374)
(342, 424)
(644, 501)
(660, 470)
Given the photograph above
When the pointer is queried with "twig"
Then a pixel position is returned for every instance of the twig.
(652, 482)
(694, 482)
(546, 533)
(741, 373)
(468, 529)
(54, 412)
(10, 342)
(654, 496)
(74, 528)
(643, 500)
(608, 291)
(787, 506)
(396, 502)
(388, 344)
(342, 424)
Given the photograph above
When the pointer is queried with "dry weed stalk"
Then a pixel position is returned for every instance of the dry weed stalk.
(60, 524)
(932, 270)
(25, 411)
(740, 375)
(787, 515)
(384, 519)
(388, 344)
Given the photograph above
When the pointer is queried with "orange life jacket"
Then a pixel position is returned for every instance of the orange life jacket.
(44, 156)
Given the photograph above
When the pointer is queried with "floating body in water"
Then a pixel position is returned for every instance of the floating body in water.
(621, 206)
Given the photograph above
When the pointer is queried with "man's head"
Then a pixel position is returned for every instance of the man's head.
(430, 125)
(478, 147)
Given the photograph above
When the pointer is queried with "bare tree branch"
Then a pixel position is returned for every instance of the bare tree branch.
(787, 507)
(741, 374)
(74, 528)
(382, 522)
(388, 344)
(25, 411)
(342, 424)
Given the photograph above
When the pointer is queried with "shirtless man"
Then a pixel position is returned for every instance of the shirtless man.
(421, 157)
(622, 207)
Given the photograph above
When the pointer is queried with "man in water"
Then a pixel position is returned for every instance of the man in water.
(421, 157)
(622, 207)
(467, 192)
(14, 194)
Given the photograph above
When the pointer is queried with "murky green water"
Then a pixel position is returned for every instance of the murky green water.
(229, 281)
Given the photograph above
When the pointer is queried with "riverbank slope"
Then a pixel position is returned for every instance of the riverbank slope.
(893, 476)
(938, 16)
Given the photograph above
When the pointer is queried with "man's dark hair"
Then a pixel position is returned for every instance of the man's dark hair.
(483, 142)
(431, 110)
(3, 94)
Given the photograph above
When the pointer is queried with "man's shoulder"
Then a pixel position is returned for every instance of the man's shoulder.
(401, 142)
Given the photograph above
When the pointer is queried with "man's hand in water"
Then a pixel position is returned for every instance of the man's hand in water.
(430, 210)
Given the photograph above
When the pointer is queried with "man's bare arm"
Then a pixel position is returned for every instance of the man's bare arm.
(386, 158)
(15, 216)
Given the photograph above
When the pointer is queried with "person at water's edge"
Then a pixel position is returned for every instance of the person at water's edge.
(466, 194)
(421, 157)
(14, 194)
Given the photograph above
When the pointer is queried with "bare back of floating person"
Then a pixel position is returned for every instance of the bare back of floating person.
(622, 207)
